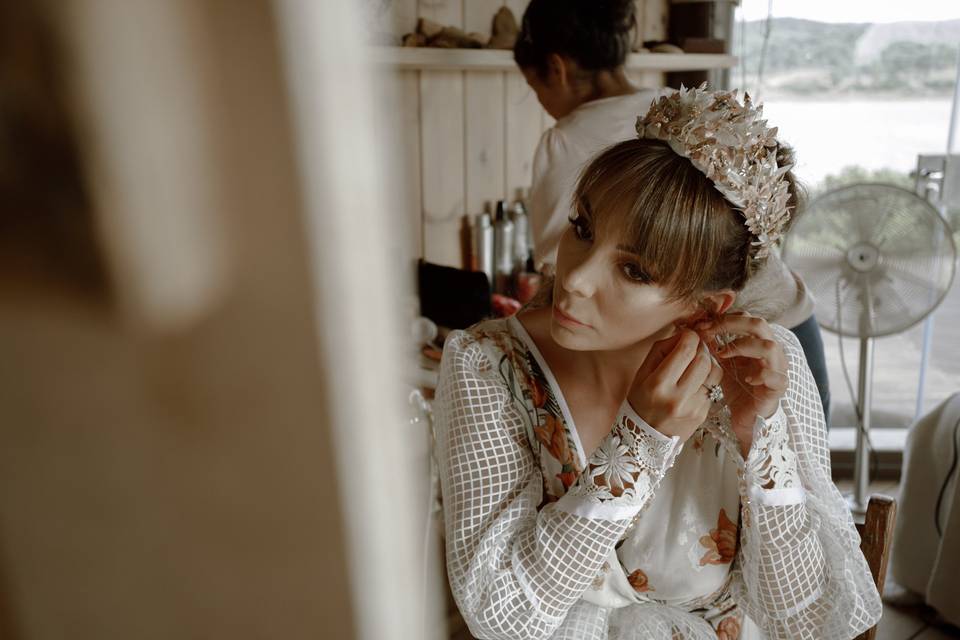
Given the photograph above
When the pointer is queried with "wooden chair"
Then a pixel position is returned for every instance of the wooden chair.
(876, 536)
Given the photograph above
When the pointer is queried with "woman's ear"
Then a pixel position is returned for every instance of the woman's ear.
(711, 307)
(720, 302)
(558, 71)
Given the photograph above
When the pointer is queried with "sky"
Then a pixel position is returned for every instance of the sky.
(853, 10)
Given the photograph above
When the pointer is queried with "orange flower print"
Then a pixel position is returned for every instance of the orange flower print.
(538, 394)
(721, 544)
(567, 477)
(697, 439)
(548, 498)
(729, 629)
(553, 436)
(638, 580)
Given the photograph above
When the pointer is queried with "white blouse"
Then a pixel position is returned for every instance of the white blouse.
(648, 537)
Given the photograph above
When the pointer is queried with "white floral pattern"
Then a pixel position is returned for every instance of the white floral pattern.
(615, 464)
(772, 464)
(628, 464)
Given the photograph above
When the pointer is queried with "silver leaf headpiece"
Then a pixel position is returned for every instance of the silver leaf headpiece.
(731, 144)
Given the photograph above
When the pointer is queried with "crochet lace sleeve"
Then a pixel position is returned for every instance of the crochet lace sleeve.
(515, 571)
(801, 572)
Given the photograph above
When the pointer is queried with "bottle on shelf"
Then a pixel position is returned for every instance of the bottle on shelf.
(526, 279)
(521, 234)
(503, 231)
(484, 248)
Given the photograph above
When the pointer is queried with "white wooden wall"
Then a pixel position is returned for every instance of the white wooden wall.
(462, 139)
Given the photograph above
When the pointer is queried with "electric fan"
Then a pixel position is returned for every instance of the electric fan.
(878, 259)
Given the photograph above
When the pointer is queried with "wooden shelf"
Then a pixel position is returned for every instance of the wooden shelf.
(425, 58)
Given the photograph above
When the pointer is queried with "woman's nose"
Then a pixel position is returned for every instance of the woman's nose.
(582, 277)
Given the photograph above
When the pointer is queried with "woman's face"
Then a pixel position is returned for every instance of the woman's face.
(554, 96)
(603, 300)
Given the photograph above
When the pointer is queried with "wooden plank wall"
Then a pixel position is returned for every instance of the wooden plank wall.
(458, 141)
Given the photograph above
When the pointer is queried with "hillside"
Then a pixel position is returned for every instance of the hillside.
(806, 57)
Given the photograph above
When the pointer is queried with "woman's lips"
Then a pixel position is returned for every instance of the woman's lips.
(566, 319)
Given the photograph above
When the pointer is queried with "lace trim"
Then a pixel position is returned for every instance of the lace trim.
(769, 476)
(623, 472)
(772, 463)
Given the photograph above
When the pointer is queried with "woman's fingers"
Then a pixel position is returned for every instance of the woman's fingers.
(657, 354)
(669, 371)
(754, 365)
(703, 405)
(739, 324)
(716, 375)
(697, 371)
(769, 378)
(760, 348)
(659, 398)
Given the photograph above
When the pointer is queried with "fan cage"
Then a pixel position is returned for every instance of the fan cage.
(819, 243)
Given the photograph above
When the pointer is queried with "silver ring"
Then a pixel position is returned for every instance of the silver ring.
(714, 393)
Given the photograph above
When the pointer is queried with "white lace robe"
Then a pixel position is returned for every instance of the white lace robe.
(534, 554)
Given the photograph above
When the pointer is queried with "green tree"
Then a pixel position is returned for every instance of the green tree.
(910, 62)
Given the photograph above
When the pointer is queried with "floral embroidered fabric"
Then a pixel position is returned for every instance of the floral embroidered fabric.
(622, 472)
(646, 538)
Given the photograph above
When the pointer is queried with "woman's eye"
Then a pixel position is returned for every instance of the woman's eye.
(635, 273)
(581, 227)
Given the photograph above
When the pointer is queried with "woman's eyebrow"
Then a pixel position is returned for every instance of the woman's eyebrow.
(634, 250)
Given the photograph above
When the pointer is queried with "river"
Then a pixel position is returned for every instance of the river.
(829, 135)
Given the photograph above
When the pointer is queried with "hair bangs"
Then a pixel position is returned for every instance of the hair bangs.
(661, 209)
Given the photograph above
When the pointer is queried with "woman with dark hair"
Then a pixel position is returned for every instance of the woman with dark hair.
(633, 460)
(572, 55)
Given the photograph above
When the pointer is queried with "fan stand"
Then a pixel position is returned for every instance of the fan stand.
(861, 463)
(841, 243)
(864, 259)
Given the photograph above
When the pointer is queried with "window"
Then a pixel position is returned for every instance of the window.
(861, 90)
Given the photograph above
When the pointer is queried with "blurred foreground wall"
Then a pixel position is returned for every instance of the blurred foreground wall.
(167, 436)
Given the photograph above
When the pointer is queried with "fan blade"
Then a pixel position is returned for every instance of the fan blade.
(886, 293)
(922, 283)
(815, 273)
(809, 249)
(812, 261)
(849, 296)
(921, 248)
(814, 231)
(861, 210)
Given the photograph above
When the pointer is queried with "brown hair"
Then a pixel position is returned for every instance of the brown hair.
(688, 237)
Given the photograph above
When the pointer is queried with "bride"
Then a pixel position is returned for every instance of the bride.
(637, 456)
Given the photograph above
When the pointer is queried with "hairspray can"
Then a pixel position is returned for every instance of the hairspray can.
(484, 245)
(521, 226)
(503, 239)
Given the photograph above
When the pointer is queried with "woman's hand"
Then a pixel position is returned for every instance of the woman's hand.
(754, 370)
(671, 388)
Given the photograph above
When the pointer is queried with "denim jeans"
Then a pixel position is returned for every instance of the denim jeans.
(808, 332)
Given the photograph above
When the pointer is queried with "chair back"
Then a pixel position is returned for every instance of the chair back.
(876, 536)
